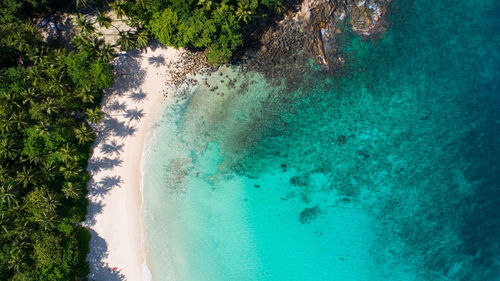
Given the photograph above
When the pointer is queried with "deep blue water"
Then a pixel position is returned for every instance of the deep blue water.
(389, 171)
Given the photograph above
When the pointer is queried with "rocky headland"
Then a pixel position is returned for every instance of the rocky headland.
(311, 28)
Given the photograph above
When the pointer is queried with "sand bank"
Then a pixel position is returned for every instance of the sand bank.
(117, 249)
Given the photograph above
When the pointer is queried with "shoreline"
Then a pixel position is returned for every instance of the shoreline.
(115, 214)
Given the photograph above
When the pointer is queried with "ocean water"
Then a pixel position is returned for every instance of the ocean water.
(389, 170)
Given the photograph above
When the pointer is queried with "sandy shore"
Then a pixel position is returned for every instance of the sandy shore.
(114, 214)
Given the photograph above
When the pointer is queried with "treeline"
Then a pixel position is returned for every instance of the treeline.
(48, 100)
(218, 26)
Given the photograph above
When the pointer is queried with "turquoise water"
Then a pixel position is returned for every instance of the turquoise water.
(389, 171)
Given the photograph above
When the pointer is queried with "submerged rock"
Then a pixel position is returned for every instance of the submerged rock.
(299, 180)
(341, 139)
(309, 214)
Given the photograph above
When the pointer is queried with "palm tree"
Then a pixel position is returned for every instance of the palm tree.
(81, 3)
(86, 94)
(32, 159)
(58, 84)
(79, 41)
(278, 6)
(47, 219)
(50, 105)
(85, 26)
(43, 128)
(48, 169)
(31, 95)
(119, 8)
(70, 190)
(5, 220)
(51, 202)
(207, 4)
(141, 3)
(84, 134)
(94, 115)
(48, 222)
(26, 176)
(4, 173)
(106, 52)
(124, 41)
(93, 45)
(21, 232)
(103, 20)
(18, 120)
(6, 123)
(67, 153)
(11, 100)
(37, 54)
(70, 169)
(243, 12)
(17, 259)
(8, 195)
(8, 149)
(141, 39)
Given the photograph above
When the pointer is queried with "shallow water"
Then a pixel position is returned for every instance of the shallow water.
(390, 172)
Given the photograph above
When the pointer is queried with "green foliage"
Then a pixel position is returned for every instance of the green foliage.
(40, 206)
(47, 250)
(87, 73)
(164, 26)
(229, 38)
(94, 115)
(217, 26)
(44, 146)
(198, 30)
(100, 74)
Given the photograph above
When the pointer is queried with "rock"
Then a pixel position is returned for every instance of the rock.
(367, 17)
(311, 30)
(283, 166)
(309, 214)
(341, 139)
(299, 180)
(323, 19)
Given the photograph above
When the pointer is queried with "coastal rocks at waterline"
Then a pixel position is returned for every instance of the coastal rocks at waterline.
(324, 20)
(312, 29)
(368, 17)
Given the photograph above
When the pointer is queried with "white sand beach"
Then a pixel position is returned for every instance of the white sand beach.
(131, 106)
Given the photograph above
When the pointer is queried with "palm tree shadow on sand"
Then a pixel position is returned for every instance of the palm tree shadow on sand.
(118, 124)
(137, 97)
(99, 268)
(134, 114)
(128, 73)
(112, 148)
(157, 61)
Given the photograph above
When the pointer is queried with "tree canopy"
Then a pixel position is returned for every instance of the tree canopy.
(48, 99)
(218, 26)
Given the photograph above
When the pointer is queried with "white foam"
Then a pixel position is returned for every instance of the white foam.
(146, 273)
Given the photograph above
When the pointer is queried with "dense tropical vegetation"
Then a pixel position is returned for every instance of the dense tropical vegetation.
(48, 101)
(218, 26)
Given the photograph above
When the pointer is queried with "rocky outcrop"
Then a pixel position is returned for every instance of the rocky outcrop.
(313, 27)
(325, 19)
(367, 17)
